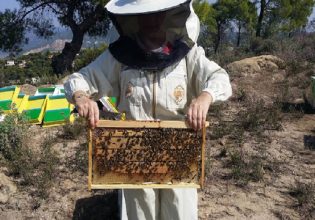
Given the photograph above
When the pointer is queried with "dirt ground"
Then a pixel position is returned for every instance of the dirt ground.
(293, 149)
(287, 155)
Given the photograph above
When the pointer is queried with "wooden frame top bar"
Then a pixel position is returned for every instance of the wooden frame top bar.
(144, 124)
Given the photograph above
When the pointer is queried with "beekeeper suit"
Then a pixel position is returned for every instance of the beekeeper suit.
(157, 84)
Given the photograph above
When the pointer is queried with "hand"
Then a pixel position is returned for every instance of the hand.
(87, 108)
(198, 109)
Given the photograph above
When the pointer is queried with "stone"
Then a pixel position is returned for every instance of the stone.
(7, 188)
(256, 65)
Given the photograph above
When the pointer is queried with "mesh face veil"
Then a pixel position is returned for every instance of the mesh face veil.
(178, 23)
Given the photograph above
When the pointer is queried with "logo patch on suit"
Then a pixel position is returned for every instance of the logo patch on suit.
(179, 93)
(129, 90)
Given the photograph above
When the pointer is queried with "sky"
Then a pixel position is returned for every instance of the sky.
(8, 4)
(11, 4)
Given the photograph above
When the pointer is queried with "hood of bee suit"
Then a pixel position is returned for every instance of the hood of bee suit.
(181, 26)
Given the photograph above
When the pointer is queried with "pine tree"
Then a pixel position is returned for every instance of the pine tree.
(81, 16)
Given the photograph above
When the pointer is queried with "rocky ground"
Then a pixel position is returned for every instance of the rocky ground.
(260, 157)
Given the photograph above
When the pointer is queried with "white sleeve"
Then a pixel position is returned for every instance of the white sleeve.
(100, 78)
(209, 77)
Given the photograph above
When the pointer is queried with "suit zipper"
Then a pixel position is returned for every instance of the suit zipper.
(154, 96)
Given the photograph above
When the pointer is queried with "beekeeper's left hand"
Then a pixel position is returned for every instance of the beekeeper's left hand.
(198, 109)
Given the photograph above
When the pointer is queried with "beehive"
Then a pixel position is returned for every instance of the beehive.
(138, 154)
(57, 111)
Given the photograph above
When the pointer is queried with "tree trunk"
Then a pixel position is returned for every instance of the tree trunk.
(218, 40)
(239, 34)
(261, 17)
(63, 62)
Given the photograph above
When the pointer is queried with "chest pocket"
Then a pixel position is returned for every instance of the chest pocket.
(131, 88)
(176, 88)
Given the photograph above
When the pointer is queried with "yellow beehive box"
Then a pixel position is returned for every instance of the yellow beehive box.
(20, 103)
(58, 111)
(35, 109)
(7, 98)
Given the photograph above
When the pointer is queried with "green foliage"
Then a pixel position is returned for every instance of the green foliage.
(282, 16)
(35, 168)
(81, 17)
(245, 17)
(38, 65)
(205, 13)
(229, 22)
(13, 132)
(221, 16)
(87, 56)
(11, 31)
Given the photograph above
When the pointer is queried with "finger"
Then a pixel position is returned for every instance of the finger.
(199, 118)
(96, 114)
(195, 117)
(204, 117)
(80, 111)
(91, 117)
(189, 116)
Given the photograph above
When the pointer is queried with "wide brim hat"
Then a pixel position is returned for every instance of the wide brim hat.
(129, 7)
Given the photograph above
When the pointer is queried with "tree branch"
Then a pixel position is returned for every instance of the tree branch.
(44, 4)
(55, 10)
(91, 20)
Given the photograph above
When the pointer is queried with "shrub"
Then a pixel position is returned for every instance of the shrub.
(74, 130)
(257, 117)
(260, 46)
(244, 171)
(13, 133)
(305, 196)
(79, 161)
(298, 52)
(36, 169)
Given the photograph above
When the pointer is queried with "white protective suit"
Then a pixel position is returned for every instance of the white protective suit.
(158, 94)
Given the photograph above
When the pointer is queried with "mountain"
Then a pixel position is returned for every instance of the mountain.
(55, 46)
(55, 43)
(3, 55)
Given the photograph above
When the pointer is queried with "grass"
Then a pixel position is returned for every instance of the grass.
(249, 124)
(79, 162)
(77, 131)
(241, 95)
(304, 193)
(245, 170)
(257, 117)
(254, 117)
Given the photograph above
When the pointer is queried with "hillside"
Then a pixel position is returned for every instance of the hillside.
(54, 43)
(260, 157)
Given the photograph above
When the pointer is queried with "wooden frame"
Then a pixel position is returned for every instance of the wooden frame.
(111, 144)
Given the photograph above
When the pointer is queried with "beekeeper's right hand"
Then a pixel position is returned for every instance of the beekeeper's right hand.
(86, 107)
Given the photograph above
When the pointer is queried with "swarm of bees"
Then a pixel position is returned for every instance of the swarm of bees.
(167, 154)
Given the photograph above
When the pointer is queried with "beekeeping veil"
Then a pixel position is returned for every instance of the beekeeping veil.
(181, 26)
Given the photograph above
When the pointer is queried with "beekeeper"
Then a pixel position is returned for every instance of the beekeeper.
(157, 71)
